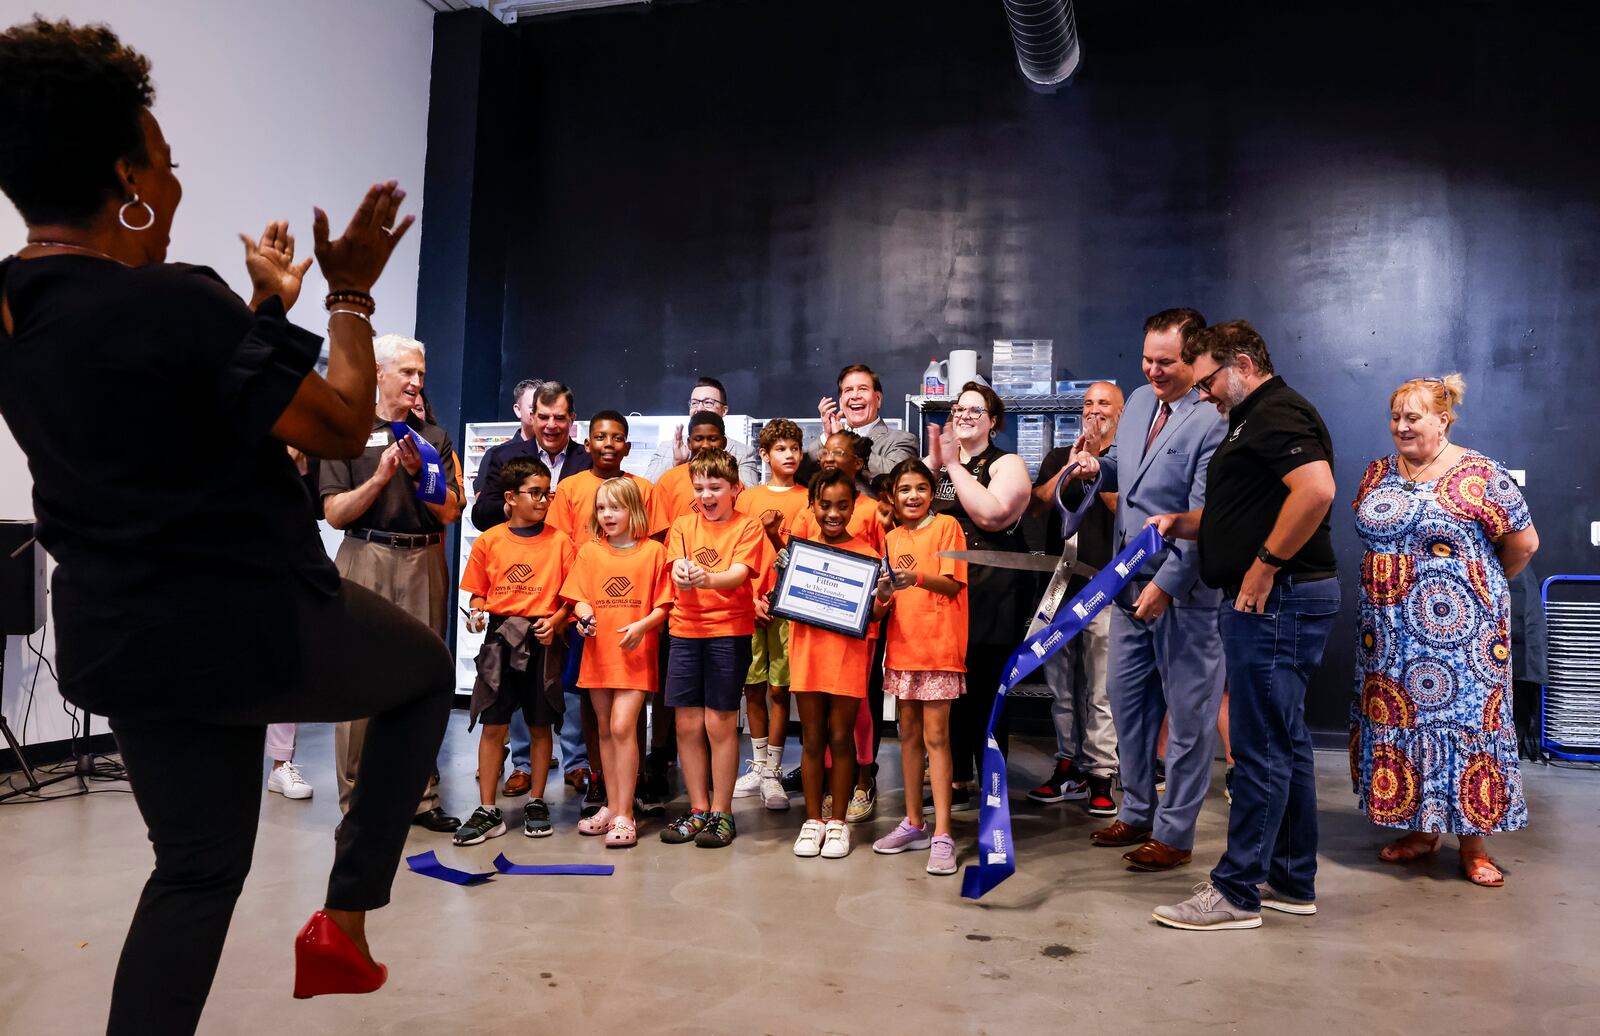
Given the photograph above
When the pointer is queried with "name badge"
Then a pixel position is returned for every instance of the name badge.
(378, 438)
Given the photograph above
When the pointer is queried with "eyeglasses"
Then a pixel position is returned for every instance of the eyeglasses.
(1204, 384)
(968, 411)
(548, 494)
(706, 403)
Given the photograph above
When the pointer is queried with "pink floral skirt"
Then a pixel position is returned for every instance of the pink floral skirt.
(923, 685)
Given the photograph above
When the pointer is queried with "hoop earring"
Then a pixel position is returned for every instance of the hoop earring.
(122, 214)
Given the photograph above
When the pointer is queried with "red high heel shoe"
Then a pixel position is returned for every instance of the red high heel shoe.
(328, 961)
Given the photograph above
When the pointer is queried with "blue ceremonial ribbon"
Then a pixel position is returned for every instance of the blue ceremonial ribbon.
(428, 864)
(996, 850)
(432, 486)
(599, 870)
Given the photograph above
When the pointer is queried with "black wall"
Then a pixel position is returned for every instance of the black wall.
(765, 191)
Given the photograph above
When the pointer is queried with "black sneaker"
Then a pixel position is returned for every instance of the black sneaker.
(791, 782)
(595, 798)
(718, 832)
(486, 822)
(1161, 777)
(1227, 784)
(1100, 803)
(1066, 783)
(536, 819)
(960, 799)
(686, 828)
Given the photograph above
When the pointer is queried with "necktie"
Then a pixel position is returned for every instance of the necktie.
(1155, 429)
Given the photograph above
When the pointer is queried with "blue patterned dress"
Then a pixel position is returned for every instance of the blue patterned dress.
(1432, 743)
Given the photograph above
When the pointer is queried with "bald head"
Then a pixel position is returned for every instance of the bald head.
(1102, 409)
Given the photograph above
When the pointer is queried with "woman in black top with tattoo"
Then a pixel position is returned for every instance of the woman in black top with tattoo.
(987, 490)
(195, 604)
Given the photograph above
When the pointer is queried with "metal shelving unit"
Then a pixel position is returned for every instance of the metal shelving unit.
(1569, 704)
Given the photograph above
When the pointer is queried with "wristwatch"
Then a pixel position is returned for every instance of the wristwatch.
(1266, 555)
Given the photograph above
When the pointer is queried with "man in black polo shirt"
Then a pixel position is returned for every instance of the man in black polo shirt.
(393, 543)
(1264, 539)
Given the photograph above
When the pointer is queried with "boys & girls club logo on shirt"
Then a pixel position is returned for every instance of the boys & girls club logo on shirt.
(905, 561)
(616, 586)
(707, 556)
(519, 573)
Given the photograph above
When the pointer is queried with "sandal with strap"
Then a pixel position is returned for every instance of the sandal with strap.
(622, 834)
(1481, 871)
(1411, 847)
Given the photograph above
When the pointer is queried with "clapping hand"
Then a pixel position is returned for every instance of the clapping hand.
(270, 263)
(388, 464)
(353, 261)
(942, 448)
(828, 410)
(680, 449)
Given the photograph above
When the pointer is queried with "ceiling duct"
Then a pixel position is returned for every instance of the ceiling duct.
(1046, 36)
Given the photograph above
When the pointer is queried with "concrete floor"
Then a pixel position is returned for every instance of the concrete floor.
(753, 940)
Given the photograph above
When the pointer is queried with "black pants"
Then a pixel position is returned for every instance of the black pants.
(196, 777)
(969, 716)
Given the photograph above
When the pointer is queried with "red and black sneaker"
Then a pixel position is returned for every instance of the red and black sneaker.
(1066, 783)
(1100, 803)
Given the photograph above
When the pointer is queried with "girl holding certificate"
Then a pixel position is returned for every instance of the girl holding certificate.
(828, 679)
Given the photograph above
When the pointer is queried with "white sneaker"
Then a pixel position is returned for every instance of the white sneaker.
(835, 840)
(749, 783)
(772, 794)
(810, 841)
(287, 781)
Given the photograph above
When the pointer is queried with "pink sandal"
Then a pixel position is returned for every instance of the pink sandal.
(597, 824)
(622, 833)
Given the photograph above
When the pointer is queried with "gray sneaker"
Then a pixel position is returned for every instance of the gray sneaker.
(1272, 899)
(1205, 911)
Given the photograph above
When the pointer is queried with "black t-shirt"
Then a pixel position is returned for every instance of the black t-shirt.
(396, 508)
(144, 399)
(1274, 431)
(1095, 534)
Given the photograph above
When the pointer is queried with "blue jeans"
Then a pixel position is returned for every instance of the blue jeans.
(1272, 828)
(574, 754)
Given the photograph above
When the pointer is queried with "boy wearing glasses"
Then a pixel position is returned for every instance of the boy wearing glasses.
(707, 397)
(514, 574)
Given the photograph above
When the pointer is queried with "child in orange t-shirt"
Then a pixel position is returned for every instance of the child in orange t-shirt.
(829, 675)
(927, 648)
(674, 495)
(620, 593)
(773, 504)
(715, 554)
(516, 570)
(608, 444)
(848, 452)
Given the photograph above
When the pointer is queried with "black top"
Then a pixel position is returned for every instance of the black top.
(999, 600)
(488, 506)
(396, 508)
(144, 399)
(1096, 533)
(1274, 431)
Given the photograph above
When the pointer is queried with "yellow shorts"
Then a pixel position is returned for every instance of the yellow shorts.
(769, 655)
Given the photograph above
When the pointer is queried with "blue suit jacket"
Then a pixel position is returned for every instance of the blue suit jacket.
(1170, 478)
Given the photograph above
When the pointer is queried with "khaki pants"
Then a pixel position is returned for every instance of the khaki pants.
(416, 580)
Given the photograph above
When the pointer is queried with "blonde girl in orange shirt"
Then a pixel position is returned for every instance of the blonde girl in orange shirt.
(620, 589)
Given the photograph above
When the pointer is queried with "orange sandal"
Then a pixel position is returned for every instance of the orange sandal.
(1412, 847)
(1481, 871)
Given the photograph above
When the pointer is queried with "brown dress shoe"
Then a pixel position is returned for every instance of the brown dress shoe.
(1119, 834)
(1157, 856)
(519, 783)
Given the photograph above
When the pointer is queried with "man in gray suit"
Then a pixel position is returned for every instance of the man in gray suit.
(856, 410)
(1166, 654)
(708, 396)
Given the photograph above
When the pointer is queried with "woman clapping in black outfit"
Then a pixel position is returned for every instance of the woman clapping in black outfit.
(194, 603)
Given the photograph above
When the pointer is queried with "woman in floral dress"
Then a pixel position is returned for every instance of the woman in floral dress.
(1433, 750)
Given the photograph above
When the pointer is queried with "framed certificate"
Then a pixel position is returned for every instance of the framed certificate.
(829, 588)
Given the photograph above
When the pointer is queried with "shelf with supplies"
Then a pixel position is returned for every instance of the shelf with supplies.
(1037, 423)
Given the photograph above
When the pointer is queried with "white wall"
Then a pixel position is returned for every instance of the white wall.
(270, 108)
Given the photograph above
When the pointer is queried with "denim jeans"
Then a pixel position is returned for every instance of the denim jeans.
(1272, 828)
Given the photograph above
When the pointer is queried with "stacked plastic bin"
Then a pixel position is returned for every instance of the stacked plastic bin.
(1023, 367)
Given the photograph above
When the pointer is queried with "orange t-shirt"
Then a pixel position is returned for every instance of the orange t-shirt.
(716, 547)
(928, 631)
(518, 575)
(573, 506)
(622, 586)
(671, 499)
(759, 501)
(827, 662)
(863, 522)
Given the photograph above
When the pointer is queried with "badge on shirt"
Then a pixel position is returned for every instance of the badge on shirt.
(378, 438)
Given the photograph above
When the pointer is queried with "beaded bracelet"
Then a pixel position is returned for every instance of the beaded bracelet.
(359, 299)
(352, 312)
